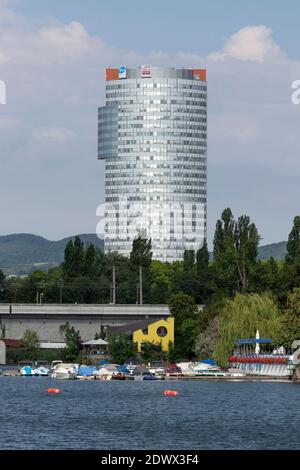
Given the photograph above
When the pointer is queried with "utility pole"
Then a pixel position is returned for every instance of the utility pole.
(141, 286)
(60, 285)
(114, 286)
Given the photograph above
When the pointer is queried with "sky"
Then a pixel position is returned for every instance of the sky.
(52, 59)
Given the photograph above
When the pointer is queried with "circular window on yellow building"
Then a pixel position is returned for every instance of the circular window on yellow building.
(162, 331)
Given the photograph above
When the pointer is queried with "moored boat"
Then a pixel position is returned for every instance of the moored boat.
(65, 371)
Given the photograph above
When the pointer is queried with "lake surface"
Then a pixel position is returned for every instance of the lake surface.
(135, 415)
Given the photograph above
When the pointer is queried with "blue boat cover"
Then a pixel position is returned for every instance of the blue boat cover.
(86, 371)
(103, 363)
(210, 362)
(123, 369)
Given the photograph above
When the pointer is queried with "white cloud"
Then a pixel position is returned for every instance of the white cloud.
(252, 43)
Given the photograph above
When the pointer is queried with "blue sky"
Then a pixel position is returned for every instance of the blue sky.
(52, 58)
(172, 25)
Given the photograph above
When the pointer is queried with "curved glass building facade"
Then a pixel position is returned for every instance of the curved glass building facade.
(152, 134)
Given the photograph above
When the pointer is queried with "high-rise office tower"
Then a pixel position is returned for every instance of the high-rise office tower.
(153, 138)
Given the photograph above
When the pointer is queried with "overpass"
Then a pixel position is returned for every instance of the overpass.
(47, 319)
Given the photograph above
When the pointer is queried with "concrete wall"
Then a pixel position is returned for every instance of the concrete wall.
(2, 352)
(46, 320)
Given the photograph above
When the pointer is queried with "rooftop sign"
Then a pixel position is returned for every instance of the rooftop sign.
(146, 71)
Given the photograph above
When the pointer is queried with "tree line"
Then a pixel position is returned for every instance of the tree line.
(235, 286)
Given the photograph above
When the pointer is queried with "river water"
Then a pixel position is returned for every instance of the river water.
(135, 415)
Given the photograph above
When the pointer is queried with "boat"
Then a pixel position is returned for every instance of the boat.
(150, 377)
(130, 366)
(173, 370)
(65, 371)
(236, 372)
(204, 369)
(41, 371)
(106, 372)
(258, 357)
(158, 369)
(201, 369)
(140, 372)
(27, 371)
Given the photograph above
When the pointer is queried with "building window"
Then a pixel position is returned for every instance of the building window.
(162, 331)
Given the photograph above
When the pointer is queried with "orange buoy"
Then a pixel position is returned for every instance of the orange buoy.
(53, 390)
(170, 393)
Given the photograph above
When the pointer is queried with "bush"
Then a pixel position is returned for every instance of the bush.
(16, 355)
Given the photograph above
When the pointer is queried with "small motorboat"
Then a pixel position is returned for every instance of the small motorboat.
(150, 377)
(27, 371)
(41, 371)
(64, 371)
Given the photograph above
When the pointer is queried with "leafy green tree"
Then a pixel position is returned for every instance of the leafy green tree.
(289, 323)
(3, 286)
(291, 270)
(141, 253)
(161, 285)
(73, 264)
(268, 277)
(152, 352)
(246, 240)
(225, 268)
(30, 341)
(204, 275)
(186, 316)
(72, 340)
(235, 252)
(121, 348)
(91, 262)
(241, 317)
(188, 260)
(293, 244)
(207, 339)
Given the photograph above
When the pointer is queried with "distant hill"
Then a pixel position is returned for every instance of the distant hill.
(277, 250)
(23, 253)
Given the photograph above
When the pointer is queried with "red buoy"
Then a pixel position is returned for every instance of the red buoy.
(170, 393)
(53, 390)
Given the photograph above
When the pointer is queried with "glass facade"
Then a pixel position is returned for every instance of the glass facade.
(153, 138)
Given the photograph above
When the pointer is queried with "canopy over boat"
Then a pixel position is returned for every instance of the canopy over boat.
(96, 342)
(239, 342)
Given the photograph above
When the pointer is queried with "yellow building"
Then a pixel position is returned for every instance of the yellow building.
(159, 332)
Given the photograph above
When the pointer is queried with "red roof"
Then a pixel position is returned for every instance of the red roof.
(11, 343)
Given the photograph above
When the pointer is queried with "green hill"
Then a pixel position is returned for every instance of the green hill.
(23, 253)
(277, 250)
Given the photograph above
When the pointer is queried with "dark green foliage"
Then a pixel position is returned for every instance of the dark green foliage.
(289, 324)
(152, 352)
(14, 356)
(30, 340)
(293, 244)
(73, 342)
(141, 254)
(186, 314)
(121, 348)
(235, 252)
